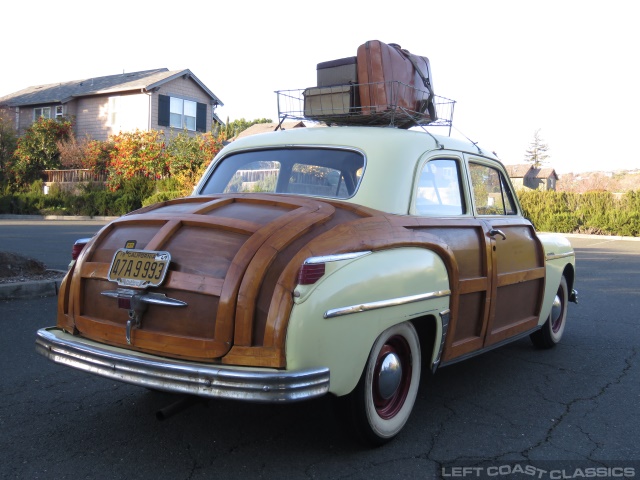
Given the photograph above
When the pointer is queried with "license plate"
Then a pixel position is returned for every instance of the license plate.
(139, 268)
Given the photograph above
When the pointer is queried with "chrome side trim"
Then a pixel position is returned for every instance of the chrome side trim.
(335, 258)
(180, 376)
(392, 302)
(556, 256)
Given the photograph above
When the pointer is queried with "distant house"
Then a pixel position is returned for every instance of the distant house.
(526, 176)
(148, 100)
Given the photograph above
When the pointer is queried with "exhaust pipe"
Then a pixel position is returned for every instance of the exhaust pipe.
(178, 406)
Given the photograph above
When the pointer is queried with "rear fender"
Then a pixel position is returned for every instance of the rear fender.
(335, 322)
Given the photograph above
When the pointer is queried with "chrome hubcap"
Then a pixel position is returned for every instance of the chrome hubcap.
(390, 376)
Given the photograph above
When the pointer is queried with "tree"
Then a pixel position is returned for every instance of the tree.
(8, 143)
(38, 149)
(234, 128)
(536, 154)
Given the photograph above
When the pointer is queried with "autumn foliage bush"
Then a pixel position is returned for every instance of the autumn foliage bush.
(141, 167)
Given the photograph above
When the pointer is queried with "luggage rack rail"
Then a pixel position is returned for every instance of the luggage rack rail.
(340, 105)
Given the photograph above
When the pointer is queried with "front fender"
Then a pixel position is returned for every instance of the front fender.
(559, 260)
(336, 322)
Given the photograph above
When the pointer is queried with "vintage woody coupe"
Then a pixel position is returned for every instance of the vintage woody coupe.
(342, 260)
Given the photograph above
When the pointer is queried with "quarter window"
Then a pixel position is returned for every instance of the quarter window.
(439, 190)
(491, 193)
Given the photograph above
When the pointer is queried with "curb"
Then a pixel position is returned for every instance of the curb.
(33, 289)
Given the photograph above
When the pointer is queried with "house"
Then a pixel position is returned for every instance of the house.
(158, 99)
(526, 176)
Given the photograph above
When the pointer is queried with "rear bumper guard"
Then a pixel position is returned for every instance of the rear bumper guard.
(180, 376)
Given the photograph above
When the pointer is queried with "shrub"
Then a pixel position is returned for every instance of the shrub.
(592, 212)
(37, 149)
(136, 154)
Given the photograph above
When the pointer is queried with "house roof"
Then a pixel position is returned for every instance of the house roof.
(526, 170)
(517, 171)
(267, 127)
(63, 92)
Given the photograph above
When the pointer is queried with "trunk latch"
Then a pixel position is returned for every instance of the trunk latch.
(136, 302)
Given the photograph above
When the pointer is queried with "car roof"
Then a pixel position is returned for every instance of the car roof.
(392, 155)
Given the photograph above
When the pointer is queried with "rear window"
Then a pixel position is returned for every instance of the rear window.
(323, 172)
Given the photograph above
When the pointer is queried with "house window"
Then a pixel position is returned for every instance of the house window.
(59, 111)
(44, 112)
(183, 114)
(179, 113)
(113, 111)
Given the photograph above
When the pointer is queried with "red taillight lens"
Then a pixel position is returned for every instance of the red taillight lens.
(310, 273)
(77, 248)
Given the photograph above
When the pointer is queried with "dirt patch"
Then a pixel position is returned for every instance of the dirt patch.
(17, 268)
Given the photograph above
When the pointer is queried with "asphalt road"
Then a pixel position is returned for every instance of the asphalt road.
(47, 241)
(564, 410)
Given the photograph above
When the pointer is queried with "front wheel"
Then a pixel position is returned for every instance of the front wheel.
(551, 332)
(382, 401)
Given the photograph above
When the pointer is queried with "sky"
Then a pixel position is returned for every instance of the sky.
(569, 68)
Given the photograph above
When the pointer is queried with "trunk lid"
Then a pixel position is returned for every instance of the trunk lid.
(227, 252)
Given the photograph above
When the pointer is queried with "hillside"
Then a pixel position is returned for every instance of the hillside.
(616, 182)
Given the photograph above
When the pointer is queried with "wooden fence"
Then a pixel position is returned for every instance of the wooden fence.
(72, 176)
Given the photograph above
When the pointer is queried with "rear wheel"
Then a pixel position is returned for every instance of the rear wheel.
(382, 401)
(551, 332)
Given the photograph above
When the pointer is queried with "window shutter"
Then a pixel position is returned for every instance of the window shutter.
(163, 110)
(201, 117)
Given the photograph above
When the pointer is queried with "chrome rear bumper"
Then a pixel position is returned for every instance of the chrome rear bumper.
(180, 376)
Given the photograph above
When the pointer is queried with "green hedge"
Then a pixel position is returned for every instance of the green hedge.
(595, 212)
(93, 200)
(599, 213)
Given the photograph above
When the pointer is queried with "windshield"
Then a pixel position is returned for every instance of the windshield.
(305, 171)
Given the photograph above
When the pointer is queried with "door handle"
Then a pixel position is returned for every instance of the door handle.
(494, 231)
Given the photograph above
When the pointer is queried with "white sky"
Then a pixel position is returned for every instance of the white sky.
(568, 67)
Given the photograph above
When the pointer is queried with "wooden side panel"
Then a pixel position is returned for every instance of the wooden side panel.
(518, 288)
(471, 302)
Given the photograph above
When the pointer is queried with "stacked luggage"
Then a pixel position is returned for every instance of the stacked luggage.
(383, 84)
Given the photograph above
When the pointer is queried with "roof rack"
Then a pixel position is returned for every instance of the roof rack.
(341, 105)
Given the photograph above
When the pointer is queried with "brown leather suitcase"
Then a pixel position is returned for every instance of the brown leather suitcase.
(393, 79)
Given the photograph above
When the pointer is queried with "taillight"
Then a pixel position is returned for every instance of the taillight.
(78, 246)
(310, 273)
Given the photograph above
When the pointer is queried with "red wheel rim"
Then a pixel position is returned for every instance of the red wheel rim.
(389, 407)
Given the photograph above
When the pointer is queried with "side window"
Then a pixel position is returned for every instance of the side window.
(491, 193)
(438, 190)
